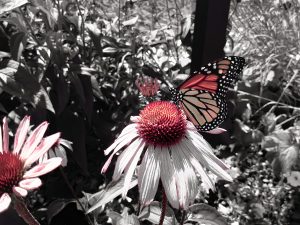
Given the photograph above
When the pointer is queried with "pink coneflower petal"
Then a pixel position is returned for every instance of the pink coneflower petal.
(132, 165)
(148, 175)
(168, 178)
(125, 158)
(43, 147)
(5, 135)
(4, 202)
(43, 168)
(33, 140)
(198, 167)
(21, 192)
(30, 184)
(21, 134)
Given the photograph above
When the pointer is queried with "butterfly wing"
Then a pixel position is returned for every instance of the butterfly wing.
(204, 109)
(216, 77)
(202, 95)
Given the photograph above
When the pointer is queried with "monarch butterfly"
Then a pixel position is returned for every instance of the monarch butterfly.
(202, 95)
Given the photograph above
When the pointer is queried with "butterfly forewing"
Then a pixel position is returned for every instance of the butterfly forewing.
(202, 95)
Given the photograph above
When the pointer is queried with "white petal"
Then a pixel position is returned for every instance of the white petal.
(211, 162)
(132, 165)
(168, 178)
(186, 176)
(135, 119)
(120, 142)
(181, 180)
(1, 141)
(21, 134)
(148, 175)
(61, 152)
(207, 150)
(30, 184)
(21, 192)
(189, 171)
(4, 202)
(217, 130)
(125, 157)
(5, 139)
(43, 168)
(198, 167)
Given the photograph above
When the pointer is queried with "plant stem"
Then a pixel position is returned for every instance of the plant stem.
(82, 29)
(23, 212)
(163, 207)
(183, 217)
(74, 194)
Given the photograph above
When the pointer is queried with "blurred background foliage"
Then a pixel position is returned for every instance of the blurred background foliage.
(75, 63)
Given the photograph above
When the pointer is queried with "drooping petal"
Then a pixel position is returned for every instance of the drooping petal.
(212, 162)
(1, 141)
(132, 165)
(5, 134)
(61, 152)
(186, 178)
(33, 140)
(188, 170)
(21, 192)
(148, 175)
(198, 167)
(121, 141)
(4, 202)
(168, 177)
(217, 130)
(43, 147)
(125, 158)
(206, 149)
(30, 184)
(181, 182)
(43, 168)
(21, 134)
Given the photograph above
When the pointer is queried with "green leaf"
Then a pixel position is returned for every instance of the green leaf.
(56, 207)
(205, 214)
(124, 219)
(15, 80)
(153, 211)
(8, 5)
(17, 43)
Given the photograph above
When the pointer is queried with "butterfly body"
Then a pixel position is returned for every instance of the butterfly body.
(203, 95)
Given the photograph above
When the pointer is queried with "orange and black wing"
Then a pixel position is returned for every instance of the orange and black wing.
(206, 110)
(216, 77)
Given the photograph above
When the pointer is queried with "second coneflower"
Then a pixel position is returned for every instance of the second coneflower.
(171, 150)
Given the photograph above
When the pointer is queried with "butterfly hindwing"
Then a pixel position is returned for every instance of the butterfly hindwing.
(203, 95)
(204, 109)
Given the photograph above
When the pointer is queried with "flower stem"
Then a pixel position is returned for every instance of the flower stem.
(74, 194)
(163, 207)
(183, 217)
(23, 212)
